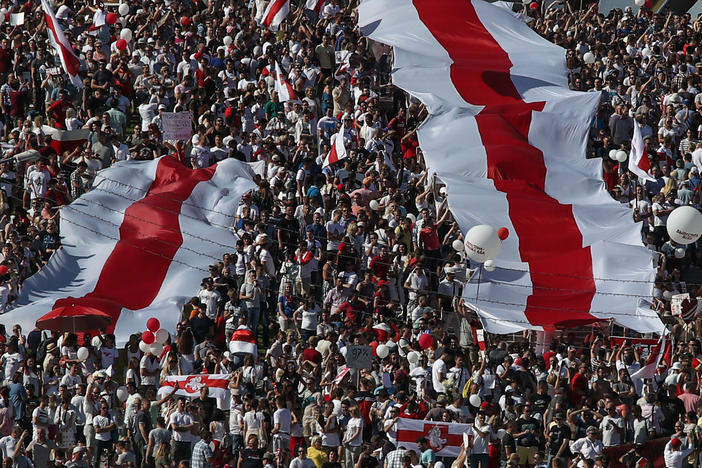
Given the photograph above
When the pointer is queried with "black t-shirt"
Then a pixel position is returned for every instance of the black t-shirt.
(508, 441)
(206, 407)
(369, 462)
(201, 327)
(96, 103)
(251, 458)
(558, 435)
(139, 418)
(540, 403)
(289, 232)
(528, 440)
(103, 76)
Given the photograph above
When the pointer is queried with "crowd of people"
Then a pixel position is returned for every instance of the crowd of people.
(359, 252)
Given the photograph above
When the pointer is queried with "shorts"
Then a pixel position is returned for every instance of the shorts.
(89, 433)
(526, 454)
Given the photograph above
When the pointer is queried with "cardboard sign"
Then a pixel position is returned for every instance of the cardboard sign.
(676, 303)
(177, 126)
(359, 357)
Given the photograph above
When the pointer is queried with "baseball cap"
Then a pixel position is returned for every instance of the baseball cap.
(509, 388)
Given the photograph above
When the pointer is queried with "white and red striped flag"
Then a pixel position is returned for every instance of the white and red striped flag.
(338, 150)
(243, 341)
(65, 140)
(661, 350)
(190, 385)
(284, 89)
(315, 5)
(445, 439)
(502, 91)
(275, 13)
(137, 245)
(638, 158)
(69, 61)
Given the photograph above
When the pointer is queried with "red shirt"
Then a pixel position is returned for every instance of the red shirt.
(578, 387)
(430, 238)
(380, 267)
(311, 354)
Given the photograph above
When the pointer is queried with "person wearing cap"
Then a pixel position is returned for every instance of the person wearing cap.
(675, 453)
(587, 448)
(558, 437)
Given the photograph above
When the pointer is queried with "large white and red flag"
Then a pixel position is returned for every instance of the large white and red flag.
(655, 358)
(243, 341)
(638, 158)
(315, 5)
(69, 61)
(275, 13)
(138, 244)
(283, 87)
(65, 140)
(508, 137)
(445, 439)
(190, 385)
(338, 150)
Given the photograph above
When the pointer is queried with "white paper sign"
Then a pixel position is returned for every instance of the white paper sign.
(676, 303)
(17, 19)
(177, 125)
(359, 357)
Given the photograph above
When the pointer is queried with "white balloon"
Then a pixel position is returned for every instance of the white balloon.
(684, 225)
(382, 351)
(123, 9)
(639, 3)
(667, 295)
(613, 155)
(589, 57)
(161, 336)
(391, 344)
(482, 243)
(156, 348)
(122, 394)
(458, 245)
(83, 353)
(646, 52)
(621, 156)
(413, 357)
(679, 252)
(489, 265)
(373, 205)
(475, 400)
(412, 217)
(143, 347)
(228, 40)
(126, 34)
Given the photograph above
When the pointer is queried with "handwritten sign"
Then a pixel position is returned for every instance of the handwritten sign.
(177, 125)
(359, 357)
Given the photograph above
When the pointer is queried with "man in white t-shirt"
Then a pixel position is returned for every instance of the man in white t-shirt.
(482, 433)
(104, 425)
(612, 427)
(282, 418)
(149, 369)
(180, 424)
(210, 297)
(438, 372)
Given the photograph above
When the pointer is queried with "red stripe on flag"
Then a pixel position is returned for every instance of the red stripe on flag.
(244, 335)
(150, 246)
(275, 7)
(481, 74)
(69, 58)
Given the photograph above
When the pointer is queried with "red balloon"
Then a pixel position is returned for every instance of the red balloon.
(503, 233)
(648, 4)
(148, 337)
(121, 44)
(111, 18)
(425, 340)
(185, 21)
(374, 345)
(4, 270)
(153, 324)
(534, 6)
